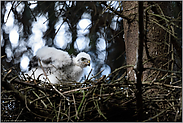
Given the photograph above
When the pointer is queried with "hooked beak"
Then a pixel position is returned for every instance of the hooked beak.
(88, 62)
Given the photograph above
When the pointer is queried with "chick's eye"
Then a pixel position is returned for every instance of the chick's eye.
(82, 59)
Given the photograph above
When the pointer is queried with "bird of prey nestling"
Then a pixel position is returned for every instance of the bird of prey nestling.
(58, 65)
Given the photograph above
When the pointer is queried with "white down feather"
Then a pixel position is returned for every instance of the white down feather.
(59, 66)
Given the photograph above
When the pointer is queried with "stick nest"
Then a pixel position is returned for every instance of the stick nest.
(93, 100)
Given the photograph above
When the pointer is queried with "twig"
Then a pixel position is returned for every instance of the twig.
(96, 103)
(98, 109)
(59, 111)
(151, 118)
(172, 58)
(96, 75)
(164, 28)
(157, 83)
(156, 71)
(19, 114)
(126, 66)
(7, 74)
(31, 12)
(3, 56)
(69, 112)
(117, 13)
(9, 12)
(79, 89)
(26, 105)
(89, 74)
(30, 84)
(75, 106)
(115, 35)
(81, 101)
(46, 97)
(41, 100)
(59, 28)
(128, 101)
(169, 71)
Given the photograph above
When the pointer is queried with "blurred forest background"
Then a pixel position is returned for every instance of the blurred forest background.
(70, 26)
(109, 32)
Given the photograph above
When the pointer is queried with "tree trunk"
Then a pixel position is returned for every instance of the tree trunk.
(154, 50)
(157, 51)
(134, 48)
(130, 9)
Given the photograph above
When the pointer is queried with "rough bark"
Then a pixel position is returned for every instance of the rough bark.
(130, 9)
(134, 48)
